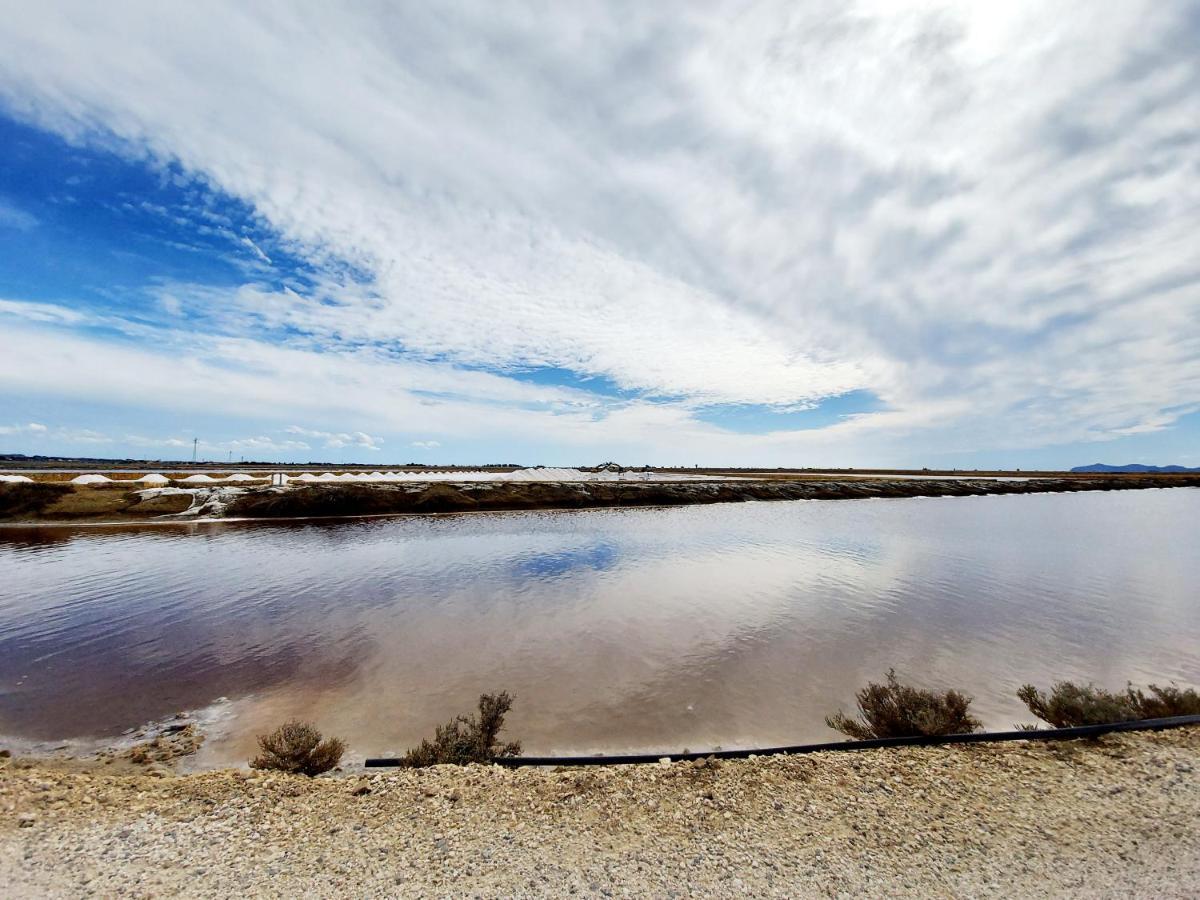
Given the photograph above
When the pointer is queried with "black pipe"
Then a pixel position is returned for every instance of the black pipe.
(1049, 734)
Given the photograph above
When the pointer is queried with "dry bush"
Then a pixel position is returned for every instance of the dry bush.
(296, 747)
(893, 709)
(1068, 705)
(468, 739)
(1168, 701)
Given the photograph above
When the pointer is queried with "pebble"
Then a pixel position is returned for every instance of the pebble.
(1112, 817)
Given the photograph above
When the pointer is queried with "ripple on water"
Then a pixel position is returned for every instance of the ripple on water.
(616, 629)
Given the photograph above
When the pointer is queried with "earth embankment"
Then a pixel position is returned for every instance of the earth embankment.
(53, 502)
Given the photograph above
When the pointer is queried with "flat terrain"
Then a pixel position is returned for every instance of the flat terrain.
(53, 501)
(1115, 817)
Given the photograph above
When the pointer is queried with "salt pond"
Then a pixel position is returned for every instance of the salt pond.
(644, 629)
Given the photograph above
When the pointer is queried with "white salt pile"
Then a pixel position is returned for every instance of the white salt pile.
(154, 478)
(554, 475)
(90, 479)
(536, 474)
(15, 478)
(430, 475)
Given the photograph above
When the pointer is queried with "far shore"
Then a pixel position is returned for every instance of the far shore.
(51, 500)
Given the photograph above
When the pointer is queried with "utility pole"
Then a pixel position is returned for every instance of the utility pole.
(195, 444)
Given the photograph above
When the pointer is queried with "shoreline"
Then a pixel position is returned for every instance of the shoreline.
(51, 503)
(1107, 817)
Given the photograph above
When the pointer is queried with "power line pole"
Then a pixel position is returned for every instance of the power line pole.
(195, 444)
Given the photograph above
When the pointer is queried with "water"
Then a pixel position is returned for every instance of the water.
(617, 630)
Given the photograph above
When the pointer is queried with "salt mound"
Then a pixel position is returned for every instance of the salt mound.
(199, 479)
(545, 475)
(541, 473)
(13, 478)
(91, 479)
(154, 478)
(241, 476)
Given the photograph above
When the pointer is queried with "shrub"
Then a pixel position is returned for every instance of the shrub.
(1168, 701)
(296, 747)
(1068, 705)
(468, 739)
(899, 710)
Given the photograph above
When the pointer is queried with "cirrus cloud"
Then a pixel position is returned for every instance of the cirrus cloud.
(981, 215)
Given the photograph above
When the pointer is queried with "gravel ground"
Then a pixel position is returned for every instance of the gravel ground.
(1116, 817)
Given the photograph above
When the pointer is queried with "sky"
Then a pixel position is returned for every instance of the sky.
(942, 234)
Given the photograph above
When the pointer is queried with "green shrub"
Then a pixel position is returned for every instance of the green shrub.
(1068, 705)
(296, 747)
(468, 739)
(893, 709)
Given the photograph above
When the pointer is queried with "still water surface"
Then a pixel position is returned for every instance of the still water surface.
(616, 630)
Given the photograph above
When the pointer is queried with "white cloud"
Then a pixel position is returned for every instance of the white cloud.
(426, 445)
(170, 304)
(28, 428)
(255, 249)
(340, 439)
(41, 434)
(984, 215)
(41, 312)
(226, 377)
(261, 442)
(141, 441)
(82, 436)
(15, 217)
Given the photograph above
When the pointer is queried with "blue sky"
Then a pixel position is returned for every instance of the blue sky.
(865, 234)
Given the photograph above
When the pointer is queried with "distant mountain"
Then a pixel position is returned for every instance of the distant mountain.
(1132, 467)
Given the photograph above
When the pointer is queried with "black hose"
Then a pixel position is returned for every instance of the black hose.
(986, 737)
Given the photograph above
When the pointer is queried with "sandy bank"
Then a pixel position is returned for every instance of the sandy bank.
(1114, 817)
(48, 502)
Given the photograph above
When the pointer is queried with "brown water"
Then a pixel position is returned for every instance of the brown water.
(616, 630)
